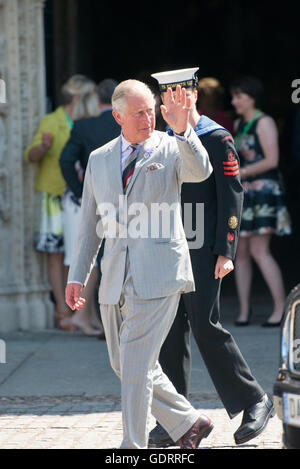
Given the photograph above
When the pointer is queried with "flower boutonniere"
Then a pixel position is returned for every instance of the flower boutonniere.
(149, 152)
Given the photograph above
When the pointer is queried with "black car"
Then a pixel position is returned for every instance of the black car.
(287, 385)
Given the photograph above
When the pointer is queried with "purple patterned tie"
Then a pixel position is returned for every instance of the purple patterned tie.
(129, 167)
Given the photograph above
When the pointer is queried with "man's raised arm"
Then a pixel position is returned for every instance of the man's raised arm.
(194, 164)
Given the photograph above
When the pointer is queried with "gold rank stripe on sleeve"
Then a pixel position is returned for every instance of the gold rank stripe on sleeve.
(231, 168)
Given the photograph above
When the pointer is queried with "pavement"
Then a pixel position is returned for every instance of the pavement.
(58, 391)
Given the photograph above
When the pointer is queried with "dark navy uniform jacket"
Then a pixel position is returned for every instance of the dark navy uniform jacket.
(87, 135)
(221, 193)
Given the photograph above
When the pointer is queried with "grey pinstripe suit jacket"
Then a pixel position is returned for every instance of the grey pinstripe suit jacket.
(159, 261)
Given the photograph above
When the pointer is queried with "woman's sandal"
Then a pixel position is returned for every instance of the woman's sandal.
(72, 322)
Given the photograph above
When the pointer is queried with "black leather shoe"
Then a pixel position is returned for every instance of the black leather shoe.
(255, 419)
(159, 438)
(271, 324)
(246, 322)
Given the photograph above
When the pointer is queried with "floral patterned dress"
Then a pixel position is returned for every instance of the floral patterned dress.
(264, 210)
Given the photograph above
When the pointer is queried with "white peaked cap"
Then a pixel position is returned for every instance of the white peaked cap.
(184, 77)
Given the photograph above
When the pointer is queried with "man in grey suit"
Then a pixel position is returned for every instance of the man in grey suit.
(146, 263)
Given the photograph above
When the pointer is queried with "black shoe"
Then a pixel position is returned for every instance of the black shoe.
(271, 324)
(246, 322)
(255, 419)
(159, 438)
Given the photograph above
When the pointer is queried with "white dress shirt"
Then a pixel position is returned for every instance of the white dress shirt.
(126, 151)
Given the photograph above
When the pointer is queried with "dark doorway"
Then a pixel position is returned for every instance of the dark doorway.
(224, 38)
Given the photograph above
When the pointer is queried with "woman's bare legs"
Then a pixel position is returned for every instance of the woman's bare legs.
(243, 277)
(86, 319)
(260, 251)
(57, 281)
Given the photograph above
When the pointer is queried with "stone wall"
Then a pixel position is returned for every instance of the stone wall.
(24, 288)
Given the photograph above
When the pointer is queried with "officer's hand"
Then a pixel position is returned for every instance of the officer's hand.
(224, 265)
(73, 298)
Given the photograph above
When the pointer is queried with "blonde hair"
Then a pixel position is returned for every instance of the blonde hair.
(87, 103)
(125, 89)
(210, 86)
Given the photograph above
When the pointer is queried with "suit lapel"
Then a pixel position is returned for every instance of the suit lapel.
(114, 166)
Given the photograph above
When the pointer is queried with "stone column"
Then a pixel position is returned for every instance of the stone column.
(24, 288)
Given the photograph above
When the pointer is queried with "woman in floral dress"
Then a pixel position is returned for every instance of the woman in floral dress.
(264, 212)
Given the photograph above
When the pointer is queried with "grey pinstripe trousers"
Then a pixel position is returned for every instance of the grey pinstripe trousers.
(135, 330)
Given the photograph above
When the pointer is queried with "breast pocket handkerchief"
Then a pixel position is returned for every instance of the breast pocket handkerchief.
(154, 166)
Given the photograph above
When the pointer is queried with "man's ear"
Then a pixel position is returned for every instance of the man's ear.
(117, 117)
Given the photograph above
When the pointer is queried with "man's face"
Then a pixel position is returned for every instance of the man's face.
(190, 93)
(138, 118)
(193, 94)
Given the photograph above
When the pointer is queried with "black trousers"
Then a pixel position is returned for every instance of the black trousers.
(200, 312)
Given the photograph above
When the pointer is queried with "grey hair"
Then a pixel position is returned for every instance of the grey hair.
(127, 88)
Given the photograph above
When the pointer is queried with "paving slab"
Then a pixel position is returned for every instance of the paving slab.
(57, 389)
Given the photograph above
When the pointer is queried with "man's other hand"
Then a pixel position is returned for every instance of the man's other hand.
(73, 298)
(224, 265)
